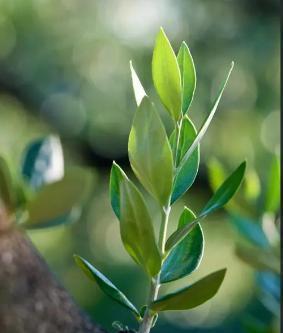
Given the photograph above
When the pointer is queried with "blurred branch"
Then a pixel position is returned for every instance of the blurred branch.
(31, 299)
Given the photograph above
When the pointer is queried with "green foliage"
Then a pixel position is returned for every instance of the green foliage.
(187, 255)
(166, 75)
(186, 175)
(259, 227)
(166, 169)
(188, 76)
(151, 160)
(135, 222)
(191, 296)
(218, 200)
(105, 285)
(43, 196)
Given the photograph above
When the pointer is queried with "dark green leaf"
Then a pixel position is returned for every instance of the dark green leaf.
(206, 123)
(185, 176)
(251, 230)
(105, 285)
(150, 153)
(187, 255)
(6, 186)
(135, 222)
(225, 191)
(137, 86)
(166, 75)
(188, 76)
(192, 296)
(43, 162)
(59, 202)
(272, 199)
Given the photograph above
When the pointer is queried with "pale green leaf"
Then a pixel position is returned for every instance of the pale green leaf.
(188, 76)
(150, 152)
(166, 75)
(137, 86)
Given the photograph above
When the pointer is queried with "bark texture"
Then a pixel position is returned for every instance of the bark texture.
(31, 299)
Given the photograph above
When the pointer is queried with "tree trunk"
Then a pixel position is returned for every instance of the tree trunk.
(31, 299)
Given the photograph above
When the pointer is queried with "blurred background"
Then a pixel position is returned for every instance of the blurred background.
(64, 69)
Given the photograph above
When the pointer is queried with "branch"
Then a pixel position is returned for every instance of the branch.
(31, 299)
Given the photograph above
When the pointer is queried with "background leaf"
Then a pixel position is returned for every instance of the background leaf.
(166, 75)
(192, 296)
(187, 255)
(185, 176)
(43, 162)
(188, 76)
(135, 222)
(137, 86)
(59, 202)
(272, 199)
(105, 284)
(250, 229)
(259, 258)
(150, 152)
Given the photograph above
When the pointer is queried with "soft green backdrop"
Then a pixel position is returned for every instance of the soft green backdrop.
(64, 68)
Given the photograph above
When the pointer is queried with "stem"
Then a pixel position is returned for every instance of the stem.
(146, 323)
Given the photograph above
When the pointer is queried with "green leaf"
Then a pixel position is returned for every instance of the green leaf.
(137, 86)
(185, 176)
(187, 255)
(135, 222)
(192, 296)
(105, 285)
(6, 186)
(150, 152)
(59, 202)
(225, 191)
(166, 75)
(219, 199)
(43, 162)
(251, 230)
(188, 76)
(272, 199)
(206, 123)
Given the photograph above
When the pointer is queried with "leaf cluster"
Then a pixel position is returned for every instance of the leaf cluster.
(166, 166)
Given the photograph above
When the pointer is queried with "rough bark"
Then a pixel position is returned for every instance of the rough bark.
(31, 299)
